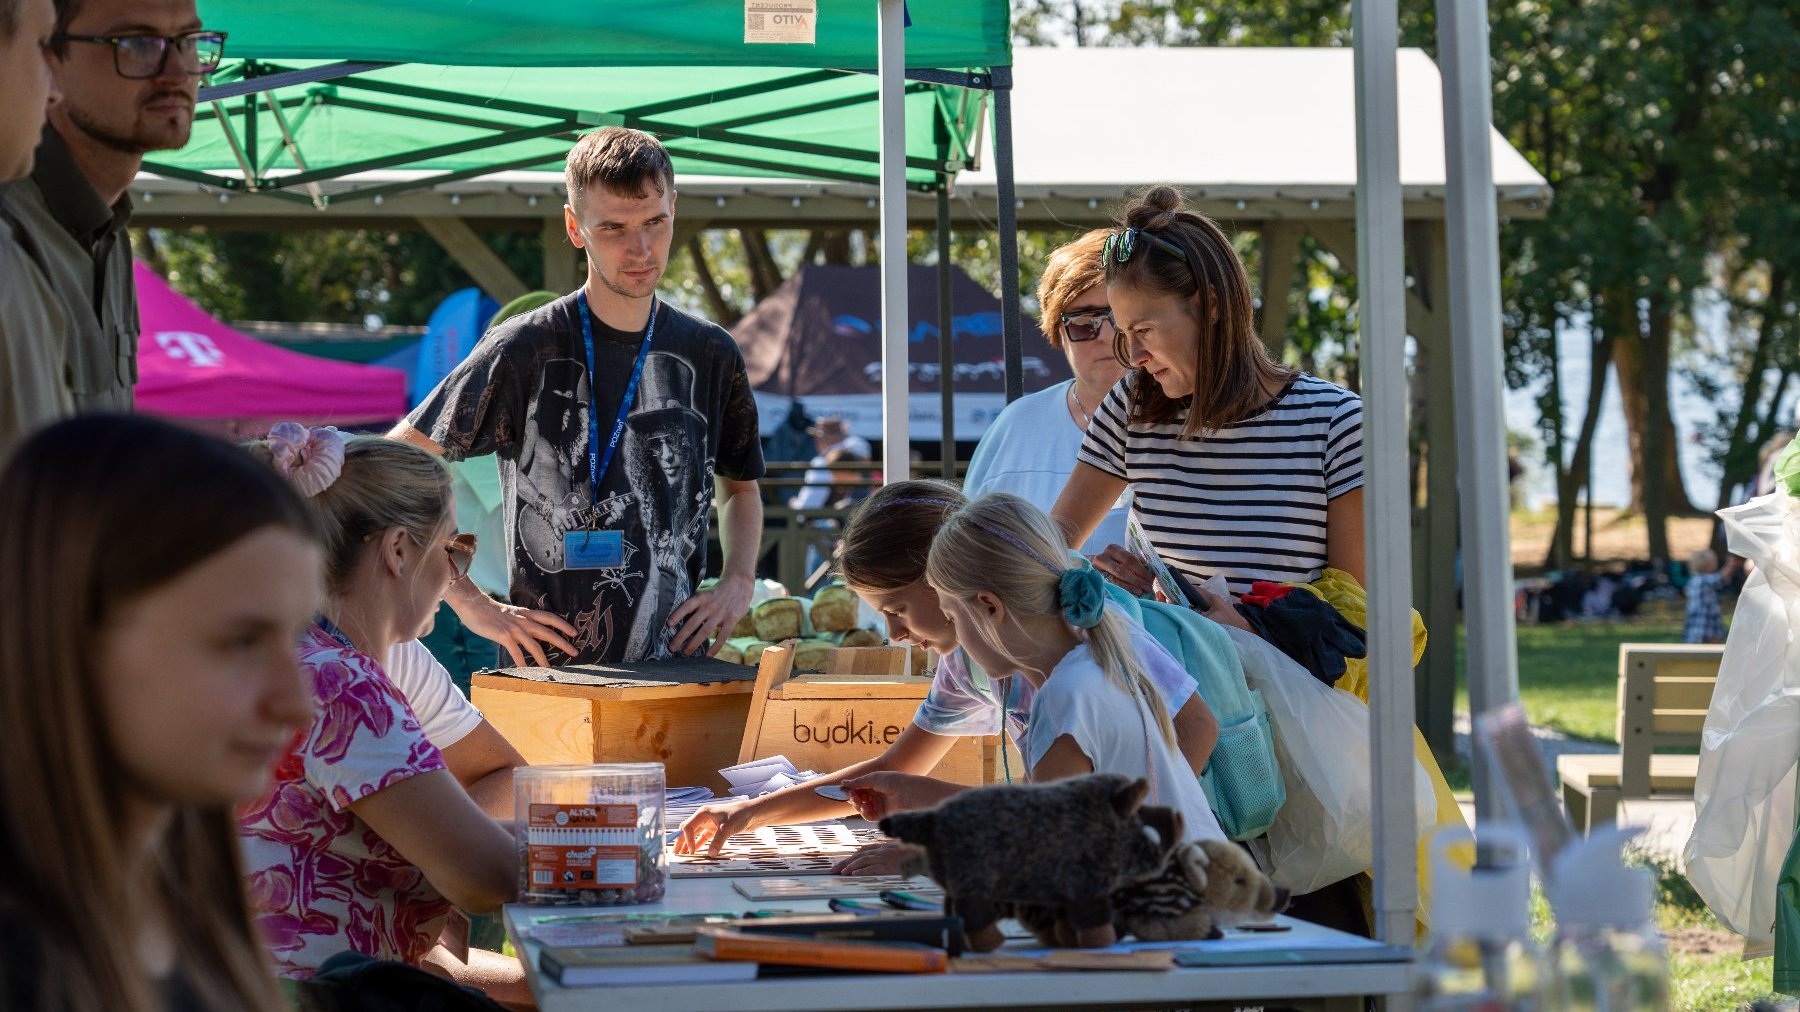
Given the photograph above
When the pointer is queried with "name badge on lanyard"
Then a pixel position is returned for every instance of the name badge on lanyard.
(593, 550)
(588, 549)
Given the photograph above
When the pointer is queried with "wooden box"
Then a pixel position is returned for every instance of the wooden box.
(852, 712)
(686, 713)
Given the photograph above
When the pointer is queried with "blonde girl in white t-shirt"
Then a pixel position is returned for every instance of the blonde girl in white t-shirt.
(1021, 602)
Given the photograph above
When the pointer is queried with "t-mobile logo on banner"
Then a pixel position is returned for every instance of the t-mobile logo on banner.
(196, 350)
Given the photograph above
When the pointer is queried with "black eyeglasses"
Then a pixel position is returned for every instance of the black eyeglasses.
(1083, 325)
(140, 57)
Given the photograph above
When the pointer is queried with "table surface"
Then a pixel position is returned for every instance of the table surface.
(1323, 978)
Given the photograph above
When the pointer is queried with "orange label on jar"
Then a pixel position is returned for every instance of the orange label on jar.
(583, 846)
(583, 816)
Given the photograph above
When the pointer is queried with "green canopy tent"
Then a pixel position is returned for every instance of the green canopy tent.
(308, 100)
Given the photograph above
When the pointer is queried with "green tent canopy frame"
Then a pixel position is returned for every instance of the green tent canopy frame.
(339, 119)
(477, 87)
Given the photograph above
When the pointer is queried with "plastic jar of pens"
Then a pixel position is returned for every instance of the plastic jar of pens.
(590, 835)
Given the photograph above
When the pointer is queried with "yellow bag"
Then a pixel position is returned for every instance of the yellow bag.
(1341, 590)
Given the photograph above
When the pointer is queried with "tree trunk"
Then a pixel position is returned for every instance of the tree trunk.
(1570, 482)
(1748, 432)
(723, 311)
(832, 244)
(765, 276)
(1642, 357)
(1656, 444)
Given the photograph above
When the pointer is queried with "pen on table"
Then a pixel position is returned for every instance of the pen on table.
(904, 900)
(840, 905)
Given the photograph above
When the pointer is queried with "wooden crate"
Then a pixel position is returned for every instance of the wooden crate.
(853, 712)
(687, 714)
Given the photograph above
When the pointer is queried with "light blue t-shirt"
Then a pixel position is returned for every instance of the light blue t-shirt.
(1030, 451)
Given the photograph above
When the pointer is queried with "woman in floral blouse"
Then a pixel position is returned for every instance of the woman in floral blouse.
(366, 841)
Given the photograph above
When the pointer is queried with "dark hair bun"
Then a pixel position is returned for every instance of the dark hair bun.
(1156, 209)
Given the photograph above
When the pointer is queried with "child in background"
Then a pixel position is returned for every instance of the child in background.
(1022, 603)
(1704, 622)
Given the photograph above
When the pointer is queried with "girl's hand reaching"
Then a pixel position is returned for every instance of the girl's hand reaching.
(711, 826)
(878, 795)
(889, 857)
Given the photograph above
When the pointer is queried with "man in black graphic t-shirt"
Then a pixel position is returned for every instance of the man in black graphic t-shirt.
(608, 536)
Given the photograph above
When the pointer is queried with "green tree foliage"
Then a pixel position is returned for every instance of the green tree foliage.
(330, 276)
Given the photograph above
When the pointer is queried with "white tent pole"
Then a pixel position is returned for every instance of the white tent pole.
(1474, 283)
(1381, 326)
(895, 382)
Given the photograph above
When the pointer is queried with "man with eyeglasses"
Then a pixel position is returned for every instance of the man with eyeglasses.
(129, 72)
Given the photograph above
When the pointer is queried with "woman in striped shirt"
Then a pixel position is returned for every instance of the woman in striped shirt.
(1238, 466)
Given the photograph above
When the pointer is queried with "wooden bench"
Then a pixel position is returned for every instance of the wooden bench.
(1664, 692)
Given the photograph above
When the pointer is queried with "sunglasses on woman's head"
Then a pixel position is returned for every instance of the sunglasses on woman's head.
(1122, 245)
(1083, 325)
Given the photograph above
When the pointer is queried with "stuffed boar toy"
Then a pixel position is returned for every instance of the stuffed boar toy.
(1048, 852)
(1207, 886)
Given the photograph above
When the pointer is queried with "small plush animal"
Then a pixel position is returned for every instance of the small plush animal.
(1063, 847)
(1207, 885)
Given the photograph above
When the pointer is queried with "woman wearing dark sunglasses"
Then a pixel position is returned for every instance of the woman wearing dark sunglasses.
(1030, 449)
(366, 839)
(1238, 466)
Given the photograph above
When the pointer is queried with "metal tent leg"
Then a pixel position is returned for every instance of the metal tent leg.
(946, 352)
(1381, 328)
(896, 380)
(1009, 235)
(1474, 285)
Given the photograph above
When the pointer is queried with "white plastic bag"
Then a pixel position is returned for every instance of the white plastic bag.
(1744, 795)
(1325, 831)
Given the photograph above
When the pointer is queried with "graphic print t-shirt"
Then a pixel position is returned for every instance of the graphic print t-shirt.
(523, 394)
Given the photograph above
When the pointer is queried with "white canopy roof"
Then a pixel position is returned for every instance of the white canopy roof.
(1250, 122)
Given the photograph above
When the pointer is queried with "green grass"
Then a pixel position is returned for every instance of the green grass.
(1569, 673)
(1568, 680)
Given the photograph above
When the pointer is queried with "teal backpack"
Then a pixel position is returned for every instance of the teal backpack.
(1242, 779)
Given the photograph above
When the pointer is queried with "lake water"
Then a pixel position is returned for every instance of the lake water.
(1612, 458)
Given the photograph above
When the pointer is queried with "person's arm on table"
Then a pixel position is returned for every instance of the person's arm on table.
(521, 631)
(483, 761)
(712, 613)
(434, 824)
(915, 751)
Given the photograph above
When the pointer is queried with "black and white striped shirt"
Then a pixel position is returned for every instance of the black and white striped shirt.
(1247, 500)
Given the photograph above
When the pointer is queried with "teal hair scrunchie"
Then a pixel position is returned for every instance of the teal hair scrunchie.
(1082, 594)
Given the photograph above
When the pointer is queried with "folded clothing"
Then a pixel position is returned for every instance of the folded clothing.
(1304, 627)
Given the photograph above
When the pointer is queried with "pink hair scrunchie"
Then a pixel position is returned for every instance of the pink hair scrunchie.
(311, 459)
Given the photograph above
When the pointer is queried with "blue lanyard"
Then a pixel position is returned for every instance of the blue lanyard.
(598, 465)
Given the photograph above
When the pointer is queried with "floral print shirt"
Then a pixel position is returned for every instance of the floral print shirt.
(320, 880)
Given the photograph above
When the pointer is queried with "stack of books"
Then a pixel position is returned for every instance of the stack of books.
(706, 953)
